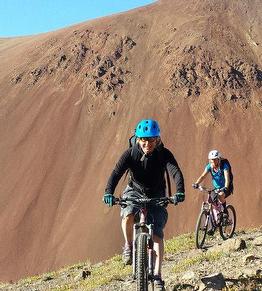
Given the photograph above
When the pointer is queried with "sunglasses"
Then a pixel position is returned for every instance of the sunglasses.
(148, 139)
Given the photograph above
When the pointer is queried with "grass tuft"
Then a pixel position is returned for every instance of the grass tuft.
(112, 269)
(180, 243)
(189, 262)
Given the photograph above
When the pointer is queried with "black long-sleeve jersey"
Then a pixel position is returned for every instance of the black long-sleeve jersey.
(147, 171)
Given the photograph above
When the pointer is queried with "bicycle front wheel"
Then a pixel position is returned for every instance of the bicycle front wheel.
(142, 263)
(228, 224)
(201, 229)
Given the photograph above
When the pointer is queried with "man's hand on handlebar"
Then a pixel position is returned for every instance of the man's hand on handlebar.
(178, 197)
(224, 189)
(109, 199)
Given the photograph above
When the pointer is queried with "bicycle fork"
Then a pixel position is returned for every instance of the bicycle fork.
(135, 227)
(210, 217)
(150, 251)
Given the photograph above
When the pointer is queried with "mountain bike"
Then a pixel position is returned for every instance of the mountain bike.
(212, 217)
(143, 252)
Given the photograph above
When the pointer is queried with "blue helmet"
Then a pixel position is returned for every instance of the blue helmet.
(147, 128)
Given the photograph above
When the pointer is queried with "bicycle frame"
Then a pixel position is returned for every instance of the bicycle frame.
(213, 212)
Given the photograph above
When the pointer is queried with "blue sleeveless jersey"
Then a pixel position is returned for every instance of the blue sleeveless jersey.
(218, 178)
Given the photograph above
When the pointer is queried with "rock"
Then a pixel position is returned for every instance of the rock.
(215, 281)
(258, 241)
(248, 258)
(230, 284)
(251, 272)
(114, 97)
(234, 244)
(202, 287)
(85, 273)
(78, 277)
(101, 71)
(48, 278)
(188, 275)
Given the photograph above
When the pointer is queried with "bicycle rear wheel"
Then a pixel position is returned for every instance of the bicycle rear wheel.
(201, 229)
(228, 224)
(142, 263)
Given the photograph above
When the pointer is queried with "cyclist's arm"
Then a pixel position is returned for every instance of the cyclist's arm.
(119, 170)
(227, 178)
(202, 177)
(175, 172)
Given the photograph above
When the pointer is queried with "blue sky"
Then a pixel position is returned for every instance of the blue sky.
(26, 17)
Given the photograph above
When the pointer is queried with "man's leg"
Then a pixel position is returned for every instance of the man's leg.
(159, 249)
(224, 218)
(127, 228)
(160, 216)
(222, 198)
(159, 284)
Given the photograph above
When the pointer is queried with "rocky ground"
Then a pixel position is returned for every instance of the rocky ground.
(234, 264)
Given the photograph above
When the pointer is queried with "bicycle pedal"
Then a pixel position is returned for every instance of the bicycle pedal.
(211, 232)
(151, 277)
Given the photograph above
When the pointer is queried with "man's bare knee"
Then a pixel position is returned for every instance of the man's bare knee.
(129, 219)
(157, 239)
(222, 198)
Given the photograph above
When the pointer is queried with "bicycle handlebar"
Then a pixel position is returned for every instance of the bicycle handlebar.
(208, 190)
(140, 201)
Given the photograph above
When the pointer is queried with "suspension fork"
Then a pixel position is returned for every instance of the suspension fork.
(150, 242)
(206, 208)
(142, 226)
(150, 251)
(210, 215)
(213, 217)
(135, 228)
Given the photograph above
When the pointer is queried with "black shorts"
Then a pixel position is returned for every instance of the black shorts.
(214, 195)
(156, 215)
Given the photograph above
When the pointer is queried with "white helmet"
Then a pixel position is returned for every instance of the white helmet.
(214, 154)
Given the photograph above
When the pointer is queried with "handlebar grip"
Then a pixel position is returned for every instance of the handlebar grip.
(116, 199)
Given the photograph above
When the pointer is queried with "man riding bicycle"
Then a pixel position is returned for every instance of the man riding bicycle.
(146, 162)
(220, 173)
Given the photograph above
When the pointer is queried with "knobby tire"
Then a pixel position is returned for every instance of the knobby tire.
(227, 230)
(142, 263)
(201, 229)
